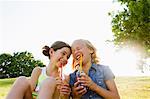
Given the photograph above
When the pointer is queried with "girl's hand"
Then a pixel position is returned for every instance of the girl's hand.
(65, 89)
(85, 80)
(58, 82)
(78, 90)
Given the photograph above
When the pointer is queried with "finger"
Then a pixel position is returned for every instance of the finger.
(58, 78)
(65, 90)
(76, 84)
(67, 85)
(83, 91)
(83, 82)
(65, 93)
(77, 88)
(81, 78)
(58, 82)
(58, 87)
(84, 76)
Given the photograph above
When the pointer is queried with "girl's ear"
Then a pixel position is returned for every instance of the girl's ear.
(51, 51)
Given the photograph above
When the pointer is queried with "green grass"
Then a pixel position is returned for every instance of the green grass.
(133, 87)
(128, 87)
(5, 85)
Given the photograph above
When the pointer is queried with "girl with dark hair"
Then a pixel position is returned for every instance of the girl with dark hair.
(46, 81)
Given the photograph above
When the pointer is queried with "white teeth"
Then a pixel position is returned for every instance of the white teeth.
(77, 61)
(77, 57)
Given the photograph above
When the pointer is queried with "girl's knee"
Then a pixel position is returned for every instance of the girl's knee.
(47, 88)
(23, 81)
(21, 86)
(49, 83)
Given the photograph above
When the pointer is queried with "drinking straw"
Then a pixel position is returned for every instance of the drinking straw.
(81, 62)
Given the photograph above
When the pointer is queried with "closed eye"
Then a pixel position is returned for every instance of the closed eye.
(64, 53)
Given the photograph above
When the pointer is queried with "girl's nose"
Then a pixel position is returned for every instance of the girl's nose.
(65, 61)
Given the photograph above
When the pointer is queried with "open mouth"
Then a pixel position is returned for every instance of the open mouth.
(77, 60)
(78, 57)
(62, 63)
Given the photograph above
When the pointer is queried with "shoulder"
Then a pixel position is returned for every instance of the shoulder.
(108, 74)
(72, 74)
(102, 67)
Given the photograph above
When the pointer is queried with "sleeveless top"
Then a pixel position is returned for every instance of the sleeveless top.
(42, 77)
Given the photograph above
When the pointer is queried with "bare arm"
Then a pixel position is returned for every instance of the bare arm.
(34, 77)
(112, 93)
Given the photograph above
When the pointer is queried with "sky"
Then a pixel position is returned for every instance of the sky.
(28, 25)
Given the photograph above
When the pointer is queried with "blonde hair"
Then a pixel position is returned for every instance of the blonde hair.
(91, 47)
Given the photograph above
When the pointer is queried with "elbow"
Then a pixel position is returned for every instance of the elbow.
(116, 96)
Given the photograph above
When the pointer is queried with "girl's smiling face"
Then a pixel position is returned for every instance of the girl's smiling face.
(60, 56)
(78, 48)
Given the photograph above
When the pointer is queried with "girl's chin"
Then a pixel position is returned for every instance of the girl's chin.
(60, 65)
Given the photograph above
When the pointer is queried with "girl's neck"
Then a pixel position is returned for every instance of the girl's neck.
(86, 67)
(51, 70)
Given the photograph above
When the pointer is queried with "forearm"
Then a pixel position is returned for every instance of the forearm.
(103, 92)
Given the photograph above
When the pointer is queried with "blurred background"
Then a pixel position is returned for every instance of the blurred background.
(119, 29)
(28, 25)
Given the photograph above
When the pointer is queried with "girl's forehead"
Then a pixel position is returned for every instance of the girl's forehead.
(66, 49)
(78, 44)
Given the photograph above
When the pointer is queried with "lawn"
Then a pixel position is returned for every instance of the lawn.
(5, 85)
(128, 87)
(133, 87)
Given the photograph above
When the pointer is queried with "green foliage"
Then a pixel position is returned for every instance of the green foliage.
(131, 26)
(20, 64)
(5, 63)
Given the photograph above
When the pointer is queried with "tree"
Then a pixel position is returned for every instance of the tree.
(5, 63)
(23, 63)
(131, 26)
(19, 64)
